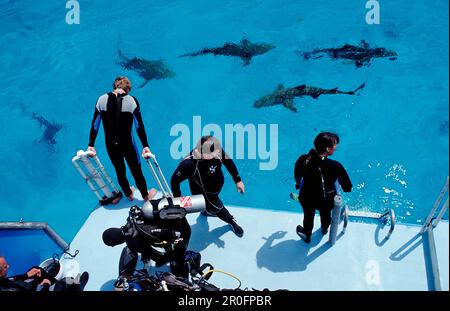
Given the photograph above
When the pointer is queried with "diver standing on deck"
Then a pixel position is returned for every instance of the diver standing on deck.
(118, 111)
(316, 176)
(203, 168)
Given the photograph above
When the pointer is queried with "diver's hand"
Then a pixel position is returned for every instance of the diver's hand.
(240, 187)
(145, 151)
(94, 152)
(34, 272)
(46, 281)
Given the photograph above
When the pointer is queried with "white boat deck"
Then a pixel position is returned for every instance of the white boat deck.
(271, 255)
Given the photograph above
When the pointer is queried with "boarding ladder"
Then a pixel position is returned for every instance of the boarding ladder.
(428, 238)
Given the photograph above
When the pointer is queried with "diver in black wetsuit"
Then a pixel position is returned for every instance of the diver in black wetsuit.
(203, 168)
(315, 176)
(119, 111)
(36, 276)
(143, 235)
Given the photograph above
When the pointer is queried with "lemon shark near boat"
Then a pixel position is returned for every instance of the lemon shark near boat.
(285, 97)
(360, 55)
(244, 49)
(146, 69)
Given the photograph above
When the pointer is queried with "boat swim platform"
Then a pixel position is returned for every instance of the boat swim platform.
(271, 255)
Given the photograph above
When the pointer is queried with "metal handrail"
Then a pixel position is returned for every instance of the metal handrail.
(20, 225)
(158, 175)
(435, 284)
(427, 231)
(437, 203)
(384, 218)
(441, 214)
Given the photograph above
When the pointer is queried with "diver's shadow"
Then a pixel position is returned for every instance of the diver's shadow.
(201, 236)
(289, 255)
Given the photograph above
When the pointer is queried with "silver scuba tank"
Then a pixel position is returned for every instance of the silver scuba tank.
(189, 204)
(178, 207)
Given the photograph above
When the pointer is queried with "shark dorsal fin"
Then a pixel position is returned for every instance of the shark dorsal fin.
(245, 42)
(364, 44)
(300, 87)
(280, 87)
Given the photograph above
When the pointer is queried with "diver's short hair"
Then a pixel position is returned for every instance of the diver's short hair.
(325, 140)
(123, 83)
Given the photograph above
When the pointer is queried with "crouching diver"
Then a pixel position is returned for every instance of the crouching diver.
(143, 236)
(203, 168)
(316, 176)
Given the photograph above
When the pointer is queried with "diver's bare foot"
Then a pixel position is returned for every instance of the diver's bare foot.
(131, 196)
(151, 194)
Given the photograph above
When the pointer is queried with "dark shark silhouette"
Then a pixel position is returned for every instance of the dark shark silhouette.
(50, 130)
(360, 55)
(147, 69)
(245, 50)
(285, 97)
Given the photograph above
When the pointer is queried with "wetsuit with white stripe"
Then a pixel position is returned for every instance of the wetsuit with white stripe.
(118, 114)
(206, 177)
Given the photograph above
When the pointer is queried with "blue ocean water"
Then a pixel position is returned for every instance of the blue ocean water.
(394, 136)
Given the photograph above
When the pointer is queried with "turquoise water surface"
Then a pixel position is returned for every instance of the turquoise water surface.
(394, 136)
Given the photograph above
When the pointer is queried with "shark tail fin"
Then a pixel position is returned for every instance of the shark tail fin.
(359, 88)
(201, 52)
(191, 54)
(122, 59)
(306, 55)
(143, 84)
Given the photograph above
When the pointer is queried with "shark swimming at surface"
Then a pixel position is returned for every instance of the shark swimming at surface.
(245, 50)
(285, 97)
(360, 55)
(146, 69)
(50, 130)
